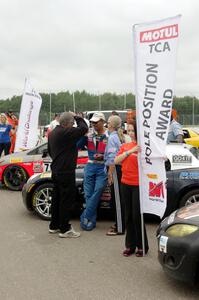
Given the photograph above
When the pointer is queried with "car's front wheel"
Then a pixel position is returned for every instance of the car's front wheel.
(42, 198)
(189, 198)
(15, 177)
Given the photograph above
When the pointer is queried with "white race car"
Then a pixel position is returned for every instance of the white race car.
(181, 156)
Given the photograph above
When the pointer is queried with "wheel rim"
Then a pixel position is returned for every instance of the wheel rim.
(192, 199)
(43, 202)
(15, 177)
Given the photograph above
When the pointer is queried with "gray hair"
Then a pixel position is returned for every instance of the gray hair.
(66, 118)
(115, 121)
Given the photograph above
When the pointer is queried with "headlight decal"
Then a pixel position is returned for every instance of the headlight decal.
(181, 230)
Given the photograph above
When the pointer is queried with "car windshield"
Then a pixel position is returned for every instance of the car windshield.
(195, 130)
(38, 150)
(194, 151)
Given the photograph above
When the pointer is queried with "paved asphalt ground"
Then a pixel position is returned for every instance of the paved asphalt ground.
(39, 266)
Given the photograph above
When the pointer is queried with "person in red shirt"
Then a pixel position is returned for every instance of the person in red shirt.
(127, 157)
(13, 121)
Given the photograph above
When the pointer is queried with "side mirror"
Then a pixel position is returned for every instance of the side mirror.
(167, 165)
(45, 153)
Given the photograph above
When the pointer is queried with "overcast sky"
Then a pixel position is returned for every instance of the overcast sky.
(87, 44)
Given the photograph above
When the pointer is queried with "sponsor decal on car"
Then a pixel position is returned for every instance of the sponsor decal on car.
(45, 175)
(189, 175)
(38, 167)
(106, 195)
(163, 243)
(179, 159)
(14, 160)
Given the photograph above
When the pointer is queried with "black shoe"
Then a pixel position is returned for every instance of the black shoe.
(139, 252)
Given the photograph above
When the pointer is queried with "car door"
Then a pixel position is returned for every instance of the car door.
(170, 192)
(40, 157)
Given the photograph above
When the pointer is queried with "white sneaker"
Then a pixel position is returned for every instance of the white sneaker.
(53, 230)
(69, 234)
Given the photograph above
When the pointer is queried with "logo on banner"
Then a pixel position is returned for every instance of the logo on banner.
(152, 176)
(156, 189)
(163, 33)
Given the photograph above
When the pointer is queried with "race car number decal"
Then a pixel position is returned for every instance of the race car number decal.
(46, 167)
(163, 243)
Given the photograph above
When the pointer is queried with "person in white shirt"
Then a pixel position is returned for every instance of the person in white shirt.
(55, 122)
(175, 132)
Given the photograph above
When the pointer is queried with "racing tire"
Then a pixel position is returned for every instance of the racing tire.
(41, 200)
(15, 177)
(189, 198)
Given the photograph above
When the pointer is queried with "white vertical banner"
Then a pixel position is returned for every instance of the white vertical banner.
(27, 135)
(155, 50)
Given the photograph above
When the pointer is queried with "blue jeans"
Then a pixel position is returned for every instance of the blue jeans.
(95, 180)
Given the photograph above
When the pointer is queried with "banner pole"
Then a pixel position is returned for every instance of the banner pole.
(141, 207)
(142, 226)
(139, 143)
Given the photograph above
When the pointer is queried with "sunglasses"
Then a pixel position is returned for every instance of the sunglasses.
(92, 122)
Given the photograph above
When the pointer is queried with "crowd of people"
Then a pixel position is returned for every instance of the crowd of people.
(112, 159)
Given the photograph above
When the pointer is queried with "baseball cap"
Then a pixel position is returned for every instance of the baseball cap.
(97, 117)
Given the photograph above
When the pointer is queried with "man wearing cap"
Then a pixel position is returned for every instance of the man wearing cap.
(95, 176)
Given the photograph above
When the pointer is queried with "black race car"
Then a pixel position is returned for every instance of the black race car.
(182, 183)
(182, 189)
(37, 195)
(178, 244)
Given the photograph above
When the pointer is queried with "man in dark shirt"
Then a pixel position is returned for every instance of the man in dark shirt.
(63, 151)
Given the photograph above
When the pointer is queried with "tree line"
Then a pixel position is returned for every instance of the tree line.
(84, 101)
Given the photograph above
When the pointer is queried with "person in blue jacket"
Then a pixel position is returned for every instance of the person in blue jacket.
(5, 128)
(116, 138)
(95, 175)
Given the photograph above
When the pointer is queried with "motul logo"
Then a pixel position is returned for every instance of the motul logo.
(156, 190)
(163, 33)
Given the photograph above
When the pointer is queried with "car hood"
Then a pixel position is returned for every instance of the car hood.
(7, 159)
(188, 214)
(185, 215)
